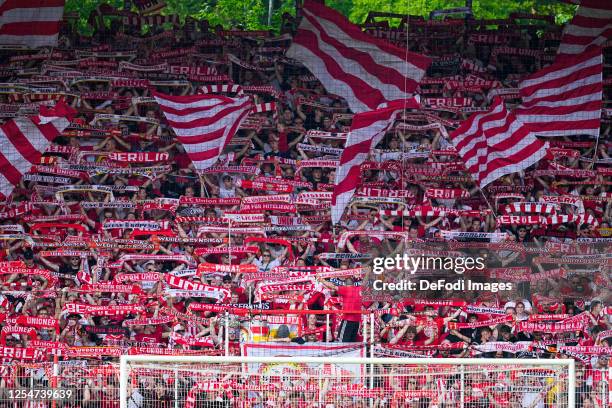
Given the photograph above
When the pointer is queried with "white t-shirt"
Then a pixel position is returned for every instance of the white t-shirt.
(529, 398)
(227, 193)
(525, 302)
(135, 400)
(266, 267)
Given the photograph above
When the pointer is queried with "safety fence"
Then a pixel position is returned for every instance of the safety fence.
(177, 382)
(353, 382)
(81, 376)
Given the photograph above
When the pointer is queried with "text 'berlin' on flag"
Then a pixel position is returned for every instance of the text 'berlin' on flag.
(564, 98)
(33, 23)
(23, 140)
(495, 143)
(204, 124)
(363, 70)
(367, 130)
(592, 25)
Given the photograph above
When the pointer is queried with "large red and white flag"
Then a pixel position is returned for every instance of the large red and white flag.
(34, 23)
(564, 98)
(592, 25)
(365, 71)
(367, 130)
(495, 143)
(204, 124)
(23, 140)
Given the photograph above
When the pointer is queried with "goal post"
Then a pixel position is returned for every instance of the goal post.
(328, 382)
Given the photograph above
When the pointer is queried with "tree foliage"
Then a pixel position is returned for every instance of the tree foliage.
(253, 14)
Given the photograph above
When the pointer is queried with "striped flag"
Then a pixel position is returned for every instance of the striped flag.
(495, 143)
(367, 130)
(34, 23)
(264, 107)
(23, 140)
(564, 98)
(592, 25)
(204, 124)
(364, 70)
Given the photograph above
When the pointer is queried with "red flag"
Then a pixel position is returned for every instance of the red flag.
(363, 70)
(495, 143)
(564, 99)
(367, 130)
(23, 140)
(592, 25)
(35, 23)
(204, 124)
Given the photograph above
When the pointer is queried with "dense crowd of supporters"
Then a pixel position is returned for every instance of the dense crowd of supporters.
(117, 241)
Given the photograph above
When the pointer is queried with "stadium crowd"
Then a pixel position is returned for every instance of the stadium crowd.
(115, 242)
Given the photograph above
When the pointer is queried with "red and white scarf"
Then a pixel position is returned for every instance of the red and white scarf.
(215, 292)
(94, 310)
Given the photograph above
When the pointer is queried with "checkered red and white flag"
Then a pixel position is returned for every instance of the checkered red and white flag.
(204, 124)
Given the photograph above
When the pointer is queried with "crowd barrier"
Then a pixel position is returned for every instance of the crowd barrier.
(172, 384)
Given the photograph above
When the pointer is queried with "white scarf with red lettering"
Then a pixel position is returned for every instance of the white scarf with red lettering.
(149, 321)
(214, 292)
(561, 327)
(494, 346)
(483, 323)
(108, 310)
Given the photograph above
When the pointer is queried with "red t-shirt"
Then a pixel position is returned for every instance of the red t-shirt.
(351, 300)
(403, 342)
(317, 298)
(431, 329)
(283, 143)
(155, 337)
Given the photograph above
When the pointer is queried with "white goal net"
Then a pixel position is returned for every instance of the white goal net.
(286, 382)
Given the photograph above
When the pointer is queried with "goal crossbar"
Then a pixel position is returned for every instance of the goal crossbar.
(127, 359)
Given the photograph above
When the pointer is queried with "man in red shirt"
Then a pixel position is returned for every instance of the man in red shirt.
(351, 301)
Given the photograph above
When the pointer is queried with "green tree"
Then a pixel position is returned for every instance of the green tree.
(253, 14)
(482, 8)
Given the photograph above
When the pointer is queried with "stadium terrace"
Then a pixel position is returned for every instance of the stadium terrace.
(177, 190)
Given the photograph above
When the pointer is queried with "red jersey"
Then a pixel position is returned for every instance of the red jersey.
(351, 300)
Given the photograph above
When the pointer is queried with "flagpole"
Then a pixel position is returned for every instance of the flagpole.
(403, 116)
(595, 151)
(488, 203)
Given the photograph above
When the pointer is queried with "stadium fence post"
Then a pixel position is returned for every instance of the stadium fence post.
(571, 386)
(372, 334)
(55, 375)
(462, 389)
(604, 389)
(123, 381)
(364, 331)
(320, 393)
(176, 387)
(226, 337)
(371, 318)
(609, 385)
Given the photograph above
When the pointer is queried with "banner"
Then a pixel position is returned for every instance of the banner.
(316, 349)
